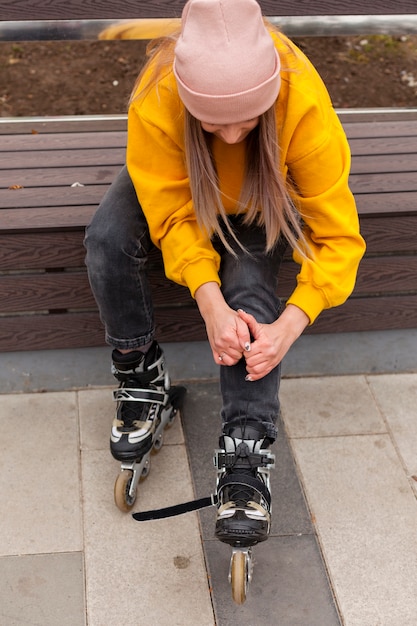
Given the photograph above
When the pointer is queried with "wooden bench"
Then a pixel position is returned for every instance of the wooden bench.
(54, 172)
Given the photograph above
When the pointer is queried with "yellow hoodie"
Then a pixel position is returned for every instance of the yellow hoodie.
(314, 152)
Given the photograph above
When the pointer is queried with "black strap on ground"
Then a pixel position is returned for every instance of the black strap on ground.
(176, 509)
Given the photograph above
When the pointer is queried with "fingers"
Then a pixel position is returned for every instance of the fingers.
(229, 348)
(243, 334)
(226, 359)
(250, 322)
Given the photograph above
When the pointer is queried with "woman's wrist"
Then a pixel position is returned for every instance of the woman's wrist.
(295, 320)
(208, 297)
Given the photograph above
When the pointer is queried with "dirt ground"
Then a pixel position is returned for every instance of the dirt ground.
(71, 78)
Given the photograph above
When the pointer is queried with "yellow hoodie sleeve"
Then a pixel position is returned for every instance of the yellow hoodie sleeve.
(326, 204)
(317, 157)
(156, 164)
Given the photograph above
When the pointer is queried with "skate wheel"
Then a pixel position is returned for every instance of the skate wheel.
(123, 500)
(239, 575)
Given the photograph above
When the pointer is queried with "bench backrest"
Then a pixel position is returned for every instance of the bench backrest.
(84, 19)
(128, 9)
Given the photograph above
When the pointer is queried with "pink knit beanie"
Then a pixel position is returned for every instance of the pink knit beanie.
(226, 65)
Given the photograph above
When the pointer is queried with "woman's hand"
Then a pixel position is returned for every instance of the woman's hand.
(227, 332)
(271, 342)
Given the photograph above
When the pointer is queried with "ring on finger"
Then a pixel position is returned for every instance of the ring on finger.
(221, 356)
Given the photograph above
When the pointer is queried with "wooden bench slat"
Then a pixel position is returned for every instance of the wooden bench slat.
(44, 332)
(41, 250)
(383, 163)
(71, 290)
(65, 124)
(63, 141)
(393, 275)
(369, 314)
(74, 330)
(383, 145)
(63, 176)
(398, 128)
(39, 292)
(387, 203)
(67, 197)
(62, 158)
(48, 219)
(383, 183)
(391, 235)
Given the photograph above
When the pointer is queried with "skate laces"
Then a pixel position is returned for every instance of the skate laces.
(239, 493)
(131, 412)
(243, 466)
(139, 372)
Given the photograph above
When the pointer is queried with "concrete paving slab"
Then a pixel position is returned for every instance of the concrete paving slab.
(396, 397)
(366, 517)
(143, 573)
(289, 585)
(39, 465)
(42, 590)
(328, 406)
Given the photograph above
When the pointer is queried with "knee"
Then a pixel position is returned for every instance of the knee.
(254, 295)
(101, 239)
(117, 229)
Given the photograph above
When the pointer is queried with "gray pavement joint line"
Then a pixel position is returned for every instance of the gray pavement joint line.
(391, 434)
(200, 529)
(81, 499)
(316, 531)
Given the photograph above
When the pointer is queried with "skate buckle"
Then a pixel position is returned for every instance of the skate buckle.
(223, 459)
(268, 460)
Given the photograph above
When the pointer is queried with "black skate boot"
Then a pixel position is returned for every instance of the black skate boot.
(243, 487)
(143, 392)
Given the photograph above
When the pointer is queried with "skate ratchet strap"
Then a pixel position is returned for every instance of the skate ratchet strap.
(140, 395)
(176, 509)
(152, 375)
(245, 481)
(227, 460)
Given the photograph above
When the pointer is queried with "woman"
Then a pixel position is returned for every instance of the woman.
(234, 151)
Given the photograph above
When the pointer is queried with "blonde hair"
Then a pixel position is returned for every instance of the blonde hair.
(266, 198)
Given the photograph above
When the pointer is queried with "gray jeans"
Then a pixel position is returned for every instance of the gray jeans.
(118, 244)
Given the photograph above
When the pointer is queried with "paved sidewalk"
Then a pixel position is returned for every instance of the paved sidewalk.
(343, 546)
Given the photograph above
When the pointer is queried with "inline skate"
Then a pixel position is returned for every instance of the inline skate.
(146, 405)
(243, 498)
